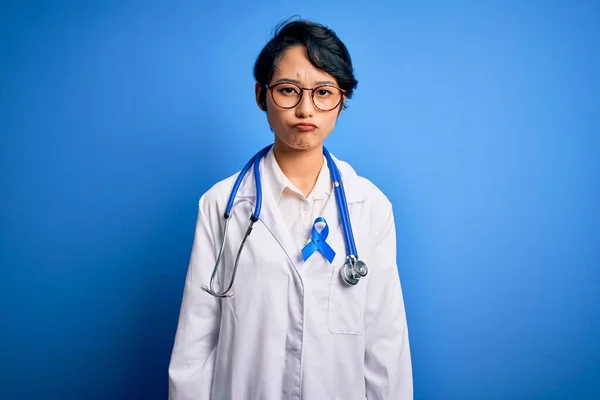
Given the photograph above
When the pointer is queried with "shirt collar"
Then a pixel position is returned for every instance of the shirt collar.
(355, 187)
(279, 182)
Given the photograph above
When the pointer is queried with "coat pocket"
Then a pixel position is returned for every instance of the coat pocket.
(346, 305)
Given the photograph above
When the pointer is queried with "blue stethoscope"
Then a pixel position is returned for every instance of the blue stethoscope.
(353, 268)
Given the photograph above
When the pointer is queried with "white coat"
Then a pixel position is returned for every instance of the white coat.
(293, 329)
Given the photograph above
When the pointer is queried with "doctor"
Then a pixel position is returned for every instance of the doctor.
(290, 327)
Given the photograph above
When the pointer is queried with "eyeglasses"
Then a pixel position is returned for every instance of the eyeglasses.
(324, 97)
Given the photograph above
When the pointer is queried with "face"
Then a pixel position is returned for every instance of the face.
(303, 127)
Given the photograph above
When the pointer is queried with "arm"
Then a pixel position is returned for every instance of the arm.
(388, 369)
(193, 355)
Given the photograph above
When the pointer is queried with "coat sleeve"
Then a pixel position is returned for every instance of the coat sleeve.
(193, 355)
(388, 368)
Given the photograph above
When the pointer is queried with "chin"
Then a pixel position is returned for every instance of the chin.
(303, 143)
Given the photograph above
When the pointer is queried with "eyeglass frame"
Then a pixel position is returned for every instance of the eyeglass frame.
(312, 94)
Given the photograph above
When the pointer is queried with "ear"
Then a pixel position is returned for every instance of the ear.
(257, 90)
(342, 105)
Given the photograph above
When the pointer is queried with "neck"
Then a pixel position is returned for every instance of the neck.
(302, 168)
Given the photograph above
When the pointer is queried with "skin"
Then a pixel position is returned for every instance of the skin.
(299, 154)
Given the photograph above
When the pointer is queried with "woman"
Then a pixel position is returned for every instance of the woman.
(291, 327)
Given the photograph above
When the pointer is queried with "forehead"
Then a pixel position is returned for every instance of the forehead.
(295, 65)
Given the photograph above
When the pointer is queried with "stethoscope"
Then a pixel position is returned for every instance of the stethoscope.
(353, 268)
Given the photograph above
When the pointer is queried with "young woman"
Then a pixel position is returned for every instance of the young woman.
(306, 317)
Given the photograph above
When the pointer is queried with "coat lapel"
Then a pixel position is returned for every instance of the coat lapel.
(270, 215)
(273, 220)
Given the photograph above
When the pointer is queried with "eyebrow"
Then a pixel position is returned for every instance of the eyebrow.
(297, 82)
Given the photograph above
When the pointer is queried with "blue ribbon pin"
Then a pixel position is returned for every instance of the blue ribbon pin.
(317, 242)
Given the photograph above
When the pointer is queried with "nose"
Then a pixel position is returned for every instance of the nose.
(305, 108)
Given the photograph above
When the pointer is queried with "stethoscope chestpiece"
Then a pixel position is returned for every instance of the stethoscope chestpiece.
(361, 268)
(353, 270)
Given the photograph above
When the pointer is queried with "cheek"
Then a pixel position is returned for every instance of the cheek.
(275, 119)
(328, 123)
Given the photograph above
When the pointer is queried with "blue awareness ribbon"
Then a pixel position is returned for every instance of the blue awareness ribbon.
(317, 242)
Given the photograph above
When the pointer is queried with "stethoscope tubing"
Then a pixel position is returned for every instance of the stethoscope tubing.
(257, 181)
(340, 198)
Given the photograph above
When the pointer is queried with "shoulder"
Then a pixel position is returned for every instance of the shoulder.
(214, 200)
(377, 205)
(361, 188)
(374, 194)
(363, 193)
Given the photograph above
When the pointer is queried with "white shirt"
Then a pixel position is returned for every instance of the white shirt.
(298, 211)
(293, 329)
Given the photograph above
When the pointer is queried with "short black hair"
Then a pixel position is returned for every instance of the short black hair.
(325, 51)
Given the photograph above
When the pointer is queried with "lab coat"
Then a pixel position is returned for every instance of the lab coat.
(293, 329)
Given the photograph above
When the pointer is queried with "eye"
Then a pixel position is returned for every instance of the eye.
(288, 90)
(322, 92)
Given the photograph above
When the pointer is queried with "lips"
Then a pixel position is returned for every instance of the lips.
(305, 127)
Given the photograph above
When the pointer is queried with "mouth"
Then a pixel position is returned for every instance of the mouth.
(304, 127)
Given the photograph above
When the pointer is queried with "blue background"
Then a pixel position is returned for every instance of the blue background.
(479, 120)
